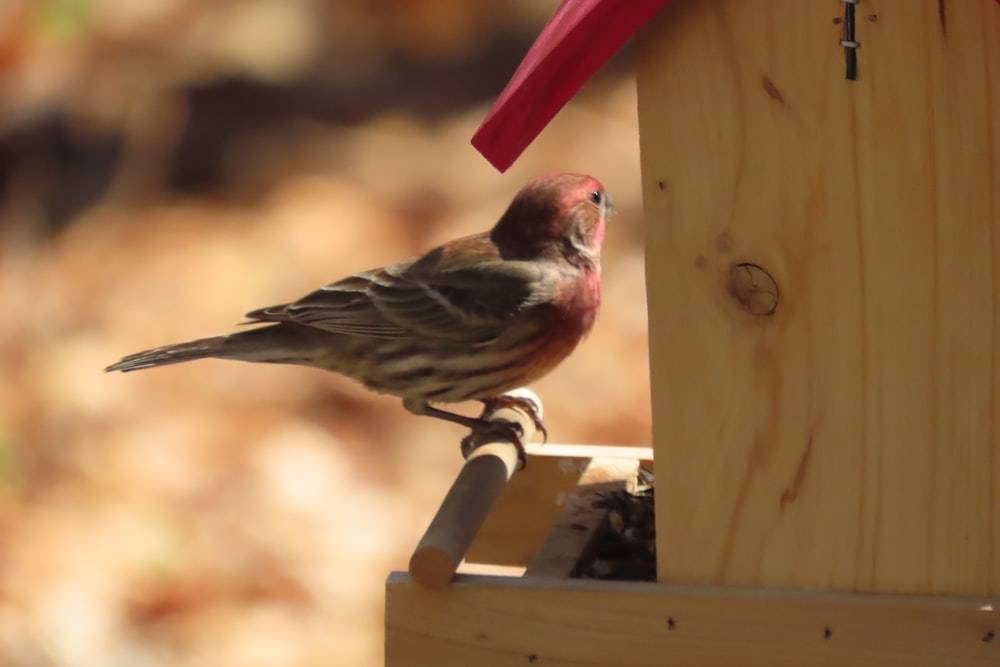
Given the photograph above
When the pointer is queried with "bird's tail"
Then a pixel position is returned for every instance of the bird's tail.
(215, 346)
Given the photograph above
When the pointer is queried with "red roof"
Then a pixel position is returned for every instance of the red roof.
(579, 38)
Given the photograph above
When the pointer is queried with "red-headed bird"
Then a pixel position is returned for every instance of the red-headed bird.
(469, 320)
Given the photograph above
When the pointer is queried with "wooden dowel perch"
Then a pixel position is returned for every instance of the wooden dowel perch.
(488, 467)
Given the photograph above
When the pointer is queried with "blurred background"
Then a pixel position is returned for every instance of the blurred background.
(166, 166)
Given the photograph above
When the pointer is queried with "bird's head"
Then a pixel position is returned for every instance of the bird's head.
(555, 214)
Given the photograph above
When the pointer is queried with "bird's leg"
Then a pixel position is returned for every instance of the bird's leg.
(429, 411)
(524, 404)
(494, 430)
(482, 429)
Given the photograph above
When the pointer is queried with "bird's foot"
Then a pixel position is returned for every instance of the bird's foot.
(493, 430)
(522, 403)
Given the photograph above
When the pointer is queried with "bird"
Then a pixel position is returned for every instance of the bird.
(468, 320)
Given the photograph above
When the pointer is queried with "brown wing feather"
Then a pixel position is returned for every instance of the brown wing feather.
(460, 291)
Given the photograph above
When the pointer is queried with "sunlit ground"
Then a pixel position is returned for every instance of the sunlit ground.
(220, 513)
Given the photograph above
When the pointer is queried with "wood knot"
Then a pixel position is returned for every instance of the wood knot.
(753, 288)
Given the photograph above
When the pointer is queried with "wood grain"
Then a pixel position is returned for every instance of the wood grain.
(580, 518)
(535, 497)
(494, 621)
(850, 439)
(488, 467)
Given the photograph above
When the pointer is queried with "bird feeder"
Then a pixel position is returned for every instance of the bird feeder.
(821, 188)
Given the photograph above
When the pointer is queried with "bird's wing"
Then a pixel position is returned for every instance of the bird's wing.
(457, 293)
(341, 307)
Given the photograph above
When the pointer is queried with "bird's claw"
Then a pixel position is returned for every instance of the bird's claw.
(491, 431)
(517, 402)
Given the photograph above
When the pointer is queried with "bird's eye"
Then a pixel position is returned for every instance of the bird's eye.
(597, 197)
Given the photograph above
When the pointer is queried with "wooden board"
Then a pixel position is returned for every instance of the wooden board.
(850, 440)
(533, 499)
(494, 621)
(580, 517)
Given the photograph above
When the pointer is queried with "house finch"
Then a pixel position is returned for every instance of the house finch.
(469, 320)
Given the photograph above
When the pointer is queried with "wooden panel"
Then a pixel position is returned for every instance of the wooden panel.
(494, 621)
(579, 520)
(851, 439)
(533, 499)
